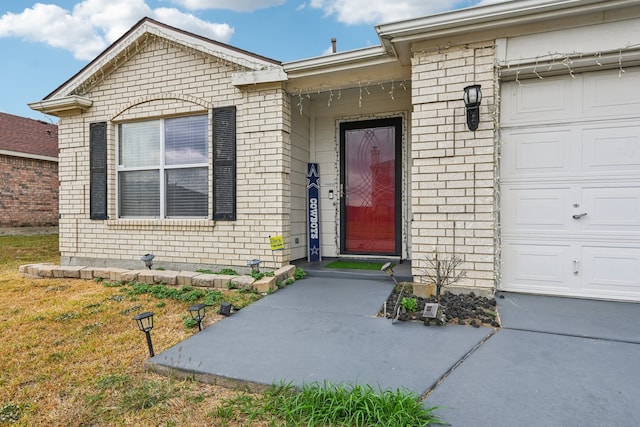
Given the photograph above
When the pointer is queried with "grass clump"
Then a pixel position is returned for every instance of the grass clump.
(146, 395)
(327, 404)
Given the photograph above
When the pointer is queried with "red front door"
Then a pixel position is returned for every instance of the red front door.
(370, 167)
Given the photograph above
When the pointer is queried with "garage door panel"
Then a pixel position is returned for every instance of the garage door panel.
(579, 156)
(611, 149)
(611, 93)
(525, 103)
(611, 209)
(541, 209)
(536, 266)
(614, 270)
(536, 152)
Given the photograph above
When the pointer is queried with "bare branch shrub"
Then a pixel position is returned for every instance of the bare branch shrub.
(443, 271)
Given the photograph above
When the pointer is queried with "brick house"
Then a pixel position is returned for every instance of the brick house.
(198, 151)
(28, 172)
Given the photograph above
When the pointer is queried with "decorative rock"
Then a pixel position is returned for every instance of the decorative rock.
(131, 276)
(68, 272)
(146, 276)
(168, 277)
(221, 281)
(115, 274)
(185, 278)
(204, 280)
(284, 273)
(242, 282)
(102, 273)
(44, 270)
(424, 290)
(266, 284)
(86, 273)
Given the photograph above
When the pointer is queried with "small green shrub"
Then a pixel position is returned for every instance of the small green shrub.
(189, 322)
(213, 297)
(409, 304)
(299, 273)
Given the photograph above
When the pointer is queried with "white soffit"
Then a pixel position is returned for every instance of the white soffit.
(490, 17)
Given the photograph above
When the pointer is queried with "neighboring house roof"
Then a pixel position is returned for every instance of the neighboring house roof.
(27, 137)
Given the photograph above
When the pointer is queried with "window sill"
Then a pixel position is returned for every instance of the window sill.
(161, 224)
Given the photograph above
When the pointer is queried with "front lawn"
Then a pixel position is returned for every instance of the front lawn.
(72, 355)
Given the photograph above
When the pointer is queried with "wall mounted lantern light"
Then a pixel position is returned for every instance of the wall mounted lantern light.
(197, 313)
(145, 324)
(148, 260)
(472, 98)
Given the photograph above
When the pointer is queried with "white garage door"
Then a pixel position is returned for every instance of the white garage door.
(570, 185)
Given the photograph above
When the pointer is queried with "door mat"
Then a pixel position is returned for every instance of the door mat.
(354, 265)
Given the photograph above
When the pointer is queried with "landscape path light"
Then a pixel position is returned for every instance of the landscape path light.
(388, 269)
(472, 98)
(197, 312)
(148, 260)
(255, 265)
(145, 324)
(225, 308)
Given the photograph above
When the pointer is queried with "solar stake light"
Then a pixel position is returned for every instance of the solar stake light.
(388, 269)
(225, 309)
(255, 265)
(145, 324)
(197, 312)
(148, 260)
(472, 98)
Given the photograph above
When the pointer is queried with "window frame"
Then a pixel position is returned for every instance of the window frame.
(162, 168)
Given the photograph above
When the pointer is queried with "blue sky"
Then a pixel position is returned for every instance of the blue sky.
(43, 44)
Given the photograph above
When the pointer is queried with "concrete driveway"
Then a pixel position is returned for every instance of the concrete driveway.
(555, 362)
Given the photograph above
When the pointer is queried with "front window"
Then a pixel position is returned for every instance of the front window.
(163, 168)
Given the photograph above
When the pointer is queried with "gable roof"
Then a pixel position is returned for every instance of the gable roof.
(20, 135)
(70, 95)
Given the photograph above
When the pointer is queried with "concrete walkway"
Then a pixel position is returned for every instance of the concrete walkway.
(556, 362)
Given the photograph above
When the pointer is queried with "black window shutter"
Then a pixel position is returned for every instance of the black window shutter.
(98, 170)
(224, 163)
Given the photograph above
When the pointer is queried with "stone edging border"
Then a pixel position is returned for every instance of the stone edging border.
(167, 277)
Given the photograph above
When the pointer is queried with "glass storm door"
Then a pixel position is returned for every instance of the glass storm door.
(370, 181)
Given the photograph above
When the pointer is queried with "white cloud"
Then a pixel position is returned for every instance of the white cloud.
(53, 25)
(95, 24)
(184, 21)
(236, 5)
(382, 11)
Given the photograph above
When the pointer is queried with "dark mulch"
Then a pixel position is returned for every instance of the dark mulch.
(467, 309)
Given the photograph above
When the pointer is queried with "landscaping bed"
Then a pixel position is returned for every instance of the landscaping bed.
(464, 309)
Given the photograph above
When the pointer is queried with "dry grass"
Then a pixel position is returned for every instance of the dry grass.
(71, 354)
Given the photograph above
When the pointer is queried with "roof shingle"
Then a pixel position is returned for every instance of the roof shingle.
(29, 136)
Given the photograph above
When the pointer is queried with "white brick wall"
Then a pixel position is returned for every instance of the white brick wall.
(453, 168)
(164, 80)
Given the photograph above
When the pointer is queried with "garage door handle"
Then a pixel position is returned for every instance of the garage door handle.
(578, 216)
(576, 264)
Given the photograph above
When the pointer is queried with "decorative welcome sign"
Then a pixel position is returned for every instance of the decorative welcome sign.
(313, 198)
(277, 243)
